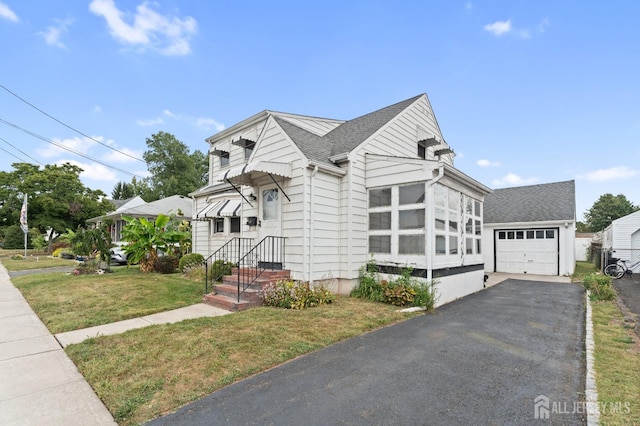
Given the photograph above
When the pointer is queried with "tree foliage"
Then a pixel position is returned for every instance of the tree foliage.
(607, 209)
(145, 239)
(174, 170)
(57, 199)
(122, 191)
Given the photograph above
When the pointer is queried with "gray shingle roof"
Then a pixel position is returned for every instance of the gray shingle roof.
(314, 147)
(534, 203)
(343, 138)
(352, 133)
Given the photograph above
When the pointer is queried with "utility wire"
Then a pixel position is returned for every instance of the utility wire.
(18, 149)
(69, 127)
(52, 142)
(13, 155)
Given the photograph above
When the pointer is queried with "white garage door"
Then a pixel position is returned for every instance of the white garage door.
(527, 251)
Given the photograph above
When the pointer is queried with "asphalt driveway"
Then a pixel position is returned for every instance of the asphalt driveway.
(483, 359)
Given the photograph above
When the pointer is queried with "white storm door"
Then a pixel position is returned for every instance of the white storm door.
(270, 211)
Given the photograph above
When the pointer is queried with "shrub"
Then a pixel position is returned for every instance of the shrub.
(17, 257)
(403, 291)
(370, 286)
(219, 268)
(166, 264)
(190, 260)
(296, 295)
(600, 287)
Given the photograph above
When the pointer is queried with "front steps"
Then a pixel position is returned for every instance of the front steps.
(225, 295)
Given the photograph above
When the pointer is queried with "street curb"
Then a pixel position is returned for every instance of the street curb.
(591, 393)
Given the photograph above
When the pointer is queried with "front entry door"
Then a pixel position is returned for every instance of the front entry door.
(270, 211)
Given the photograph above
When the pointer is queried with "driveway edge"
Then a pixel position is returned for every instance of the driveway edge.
(591, 393)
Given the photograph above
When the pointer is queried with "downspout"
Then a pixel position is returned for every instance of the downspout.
(311, 185)
(431, 223)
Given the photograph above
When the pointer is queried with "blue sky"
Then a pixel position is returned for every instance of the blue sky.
(525, 92)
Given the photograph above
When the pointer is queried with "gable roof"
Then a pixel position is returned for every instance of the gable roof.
(314, 147)
(534, 203)
(352, 133)
(344, 138)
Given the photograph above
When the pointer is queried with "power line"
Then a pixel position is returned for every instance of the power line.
(35, 135)
(18, 149)
(69, 127)
(13, 155)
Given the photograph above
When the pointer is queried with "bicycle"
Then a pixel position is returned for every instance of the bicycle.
(620, 268)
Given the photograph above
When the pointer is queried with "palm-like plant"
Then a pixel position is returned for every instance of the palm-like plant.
(146, 238)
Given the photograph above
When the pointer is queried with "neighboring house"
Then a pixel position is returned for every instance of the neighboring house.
(622, 237)
(531, 229)
(137, 207)
(584, 241)
(340, 192)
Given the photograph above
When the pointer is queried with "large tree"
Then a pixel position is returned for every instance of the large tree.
(122, 191)
(57, 199)
(174, 170)
(607, 209)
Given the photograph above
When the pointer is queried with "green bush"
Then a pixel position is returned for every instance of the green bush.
(166, 264)
(403, 291)
(295, 295)
(600, 287)
(369, 286)
(189, 261)
(219, 268)
(17, 257)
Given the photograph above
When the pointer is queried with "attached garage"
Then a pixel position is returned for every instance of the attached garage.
(530, 229)
(527, 251)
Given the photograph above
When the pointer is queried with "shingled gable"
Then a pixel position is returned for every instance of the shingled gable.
(534, 203)
(343, 138)
(352, 133)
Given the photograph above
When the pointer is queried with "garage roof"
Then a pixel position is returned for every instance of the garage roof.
(533, 203)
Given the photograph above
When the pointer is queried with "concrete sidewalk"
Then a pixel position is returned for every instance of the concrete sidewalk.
(39, 383)
(189, 312)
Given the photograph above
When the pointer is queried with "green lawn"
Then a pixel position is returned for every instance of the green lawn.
(36, 261)
(66, 302)
(144, 373)
(617, 365)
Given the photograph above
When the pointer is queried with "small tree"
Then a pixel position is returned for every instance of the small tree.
(145, 238)
(87, 241)
(607, 209)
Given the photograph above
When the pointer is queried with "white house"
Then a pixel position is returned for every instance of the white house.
(531, 229)
(622, 237)
(328, 194)
(137, 207)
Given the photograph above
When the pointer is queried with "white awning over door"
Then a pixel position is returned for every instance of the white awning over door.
(242, 175)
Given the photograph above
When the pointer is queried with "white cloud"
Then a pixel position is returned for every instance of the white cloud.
(53, 34)
(602, 175)
(468, 6)
(208, 123)
(93, 171)
(498, 28)
(487, 163)
(150, 122)
(148, 30)
(170, 114)
(76, 144)
(7, 13)
(543, 25)
(512, 179)
(97, 109)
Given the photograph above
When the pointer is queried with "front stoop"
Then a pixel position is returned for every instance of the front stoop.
(225, 295)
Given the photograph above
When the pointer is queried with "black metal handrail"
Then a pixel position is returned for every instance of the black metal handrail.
(223, 259)
(267, 254)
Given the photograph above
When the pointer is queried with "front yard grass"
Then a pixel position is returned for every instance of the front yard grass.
(67, 302)
(147, 372)
(41, 261)
(617, 365)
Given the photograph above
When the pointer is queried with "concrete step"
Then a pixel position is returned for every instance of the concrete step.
(228, 303)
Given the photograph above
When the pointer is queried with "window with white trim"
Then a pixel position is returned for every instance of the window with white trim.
(397, 220)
